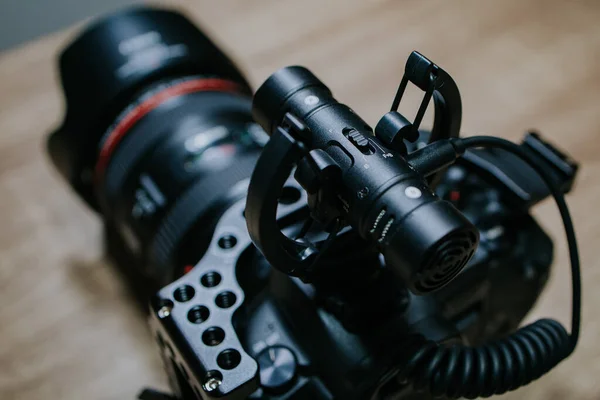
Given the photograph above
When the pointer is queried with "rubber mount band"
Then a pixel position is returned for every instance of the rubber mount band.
(117, 134)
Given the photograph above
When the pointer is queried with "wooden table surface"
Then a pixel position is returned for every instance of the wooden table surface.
(68, 326)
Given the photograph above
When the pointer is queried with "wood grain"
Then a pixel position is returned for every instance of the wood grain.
(68, 326)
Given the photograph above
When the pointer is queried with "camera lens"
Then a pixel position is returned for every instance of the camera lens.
(158, 135)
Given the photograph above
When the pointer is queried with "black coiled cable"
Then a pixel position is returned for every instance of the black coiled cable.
(511, 362)
(494, 368)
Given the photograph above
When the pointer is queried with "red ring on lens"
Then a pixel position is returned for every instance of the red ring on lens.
(145, 107)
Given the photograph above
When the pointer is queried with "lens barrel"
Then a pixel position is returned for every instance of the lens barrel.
(109, 64)
(157, 135)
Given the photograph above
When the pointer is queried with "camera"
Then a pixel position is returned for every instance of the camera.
(288, 250)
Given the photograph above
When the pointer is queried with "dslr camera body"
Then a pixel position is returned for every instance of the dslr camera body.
(326, 285)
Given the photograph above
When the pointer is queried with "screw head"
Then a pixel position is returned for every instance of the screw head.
(164, 312)
(362, 193)
(212, 384)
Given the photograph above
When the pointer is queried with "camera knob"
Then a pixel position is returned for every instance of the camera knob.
(277, 365)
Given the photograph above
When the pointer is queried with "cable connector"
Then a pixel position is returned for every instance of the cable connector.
(436, 156)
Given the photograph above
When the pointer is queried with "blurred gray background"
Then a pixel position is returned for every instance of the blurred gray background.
(23, 20)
